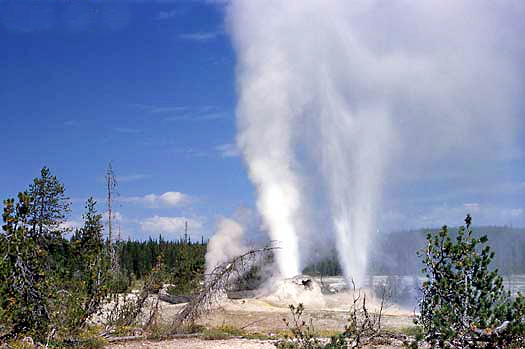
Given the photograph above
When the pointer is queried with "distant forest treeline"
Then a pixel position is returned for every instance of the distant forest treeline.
(183, 261)
(395, 253)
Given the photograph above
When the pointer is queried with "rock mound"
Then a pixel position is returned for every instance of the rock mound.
(299, 289)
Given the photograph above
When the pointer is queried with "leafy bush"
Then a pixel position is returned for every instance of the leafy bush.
(303, 335)
(464, 303)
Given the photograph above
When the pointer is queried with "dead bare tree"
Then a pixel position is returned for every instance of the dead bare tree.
(217, 282)
(363, 326)
(126, 311)
(111, 185)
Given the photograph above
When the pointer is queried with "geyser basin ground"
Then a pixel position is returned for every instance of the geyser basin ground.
(264, 314)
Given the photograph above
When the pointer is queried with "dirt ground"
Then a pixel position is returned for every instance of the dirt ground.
(198, 343)
(264, 322)
(264, 315)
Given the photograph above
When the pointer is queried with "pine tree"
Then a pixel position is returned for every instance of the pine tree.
(464, 304)
(48, 206)
(23, 288)
(33, 257)
(88, 285)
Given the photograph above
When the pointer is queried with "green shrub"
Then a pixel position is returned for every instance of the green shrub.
(464, 303)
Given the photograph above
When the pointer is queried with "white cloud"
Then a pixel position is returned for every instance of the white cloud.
(168, 199)
(516, 212)
(72, 224)
(227, 150)
(118, 217)
(157, 224)
(200, 36)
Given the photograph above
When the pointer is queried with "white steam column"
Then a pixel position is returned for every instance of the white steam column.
(333, 92)
(265, 138)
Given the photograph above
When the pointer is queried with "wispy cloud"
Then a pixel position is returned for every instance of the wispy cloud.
(126, 130)
(168, 199)
(132, 177)
(199, 113)
(156, 109)
(186, 113)
(117, 217)
(200, 36)
(71, 123)
(164, 15)
(191, 152)
(158, 224)
(198, 117)
(227, 150)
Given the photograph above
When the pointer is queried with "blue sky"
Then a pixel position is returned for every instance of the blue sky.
(150, 86)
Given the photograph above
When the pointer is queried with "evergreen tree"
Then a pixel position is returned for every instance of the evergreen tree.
(23, 288)
(90, 275)
(34, 255)
(464, 304)
(48, 207)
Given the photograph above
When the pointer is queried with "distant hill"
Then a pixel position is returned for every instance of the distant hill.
(395, 253)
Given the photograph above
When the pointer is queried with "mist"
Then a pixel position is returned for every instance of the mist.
(344, 107)
(227, 243)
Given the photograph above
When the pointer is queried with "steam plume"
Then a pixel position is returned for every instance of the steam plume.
(226, 243)
(333, 93)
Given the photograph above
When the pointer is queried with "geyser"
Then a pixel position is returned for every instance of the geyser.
(331, 93)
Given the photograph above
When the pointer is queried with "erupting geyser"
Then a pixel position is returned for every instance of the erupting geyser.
(330, 90)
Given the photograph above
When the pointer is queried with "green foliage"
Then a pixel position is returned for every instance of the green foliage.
(222, 332)
(85, 286)
(23, 288)
(326, 267)
(183, 262)
(464, 304)
(48, 284)
(303, 334)
(50, 287)
(48, 207)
